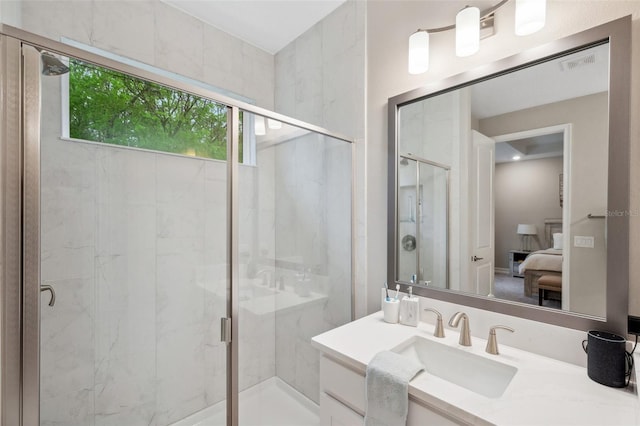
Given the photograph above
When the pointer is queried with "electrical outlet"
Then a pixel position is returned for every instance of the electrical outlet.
(633, 325)
(580, 241)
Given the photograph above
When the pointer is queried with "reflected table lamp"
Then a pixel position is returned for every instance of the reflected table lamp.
(526, 230)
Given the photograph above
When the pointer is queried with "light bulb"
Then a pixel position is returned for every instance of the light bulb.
(467, 31)
(259, 128)
(419, 52)
(530, 16)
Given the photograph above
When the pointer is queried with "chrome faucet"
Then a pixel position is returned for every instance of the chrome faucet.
(267, 277)
(492, 343)
(439, 330)
(465, 331)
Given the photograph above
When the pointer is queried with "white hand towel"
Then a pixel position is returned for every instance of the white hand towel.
(387, 385)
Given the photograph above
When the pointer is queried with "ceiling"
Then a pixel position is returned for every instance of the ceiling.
(580, 74)
(267, 24)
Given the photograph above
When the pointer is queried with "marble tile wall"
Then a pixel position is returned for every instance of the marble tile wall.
(157, 34)
(320, 78)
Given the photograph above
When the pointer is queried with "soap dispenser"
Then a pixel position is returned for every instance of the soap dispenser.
(409, 309)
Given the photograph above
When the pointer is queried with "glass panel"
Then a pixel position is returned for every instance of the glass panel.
(134, 245)
(295, 251)
(407, 212)
(433, 225)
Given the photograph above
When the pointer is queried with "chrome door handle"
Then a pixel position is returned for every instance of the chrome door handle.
(47, 287)
(476, 258)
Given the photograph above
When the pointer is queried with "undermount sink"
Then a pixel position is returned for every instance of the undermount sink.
(252, 292)
(470, 371)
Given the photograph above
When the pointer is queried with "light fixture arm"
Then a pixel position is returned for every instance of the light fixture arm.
(484, 15)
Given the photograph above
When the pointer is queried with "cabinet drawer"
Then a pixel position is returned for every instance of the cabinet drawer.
(343, 384)
(334, 413)
(420, 415)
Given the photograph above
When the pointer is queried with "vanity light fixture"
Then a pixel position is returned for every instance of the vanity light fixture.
(471, 26)
(467, 31)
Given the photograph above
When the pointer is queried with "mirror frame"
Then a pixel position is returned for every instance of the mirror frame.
(617, 34)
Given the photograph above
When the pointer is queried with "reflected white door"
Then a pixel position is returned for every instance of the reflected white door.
(482, 227)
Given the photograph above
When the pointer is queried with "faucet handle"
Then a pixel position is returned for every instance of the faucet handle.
(439, 330)
(492, 343)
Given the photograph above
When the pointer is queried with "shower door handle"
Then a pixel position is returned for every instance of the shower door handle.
(47, 287)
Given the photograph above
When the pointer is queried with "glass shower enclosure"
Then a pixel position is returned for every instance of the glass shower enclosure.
(175, 259)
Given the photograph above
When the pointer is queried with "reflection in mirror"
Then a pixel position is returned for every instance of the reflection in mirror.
(503, 186)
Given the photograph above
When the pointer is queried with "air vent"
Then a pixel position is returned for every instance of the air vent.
(582, 61)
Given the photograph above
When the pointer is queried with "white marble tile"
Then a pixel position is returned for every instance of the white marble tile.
(339, 30)
(223, 60)
(125, 176)
(125, 230)
(180, 379)
(178, 41)
(285, 73)
(179, 300)
(179, 180)
(53, 19)
(125, 28)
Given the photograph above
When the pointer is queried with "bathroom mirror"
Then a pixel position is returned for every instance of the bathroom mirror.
(511, 184)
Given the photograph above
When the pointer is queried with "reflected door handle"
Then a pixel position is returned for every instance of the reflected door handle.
(47, 287)
(476, 258)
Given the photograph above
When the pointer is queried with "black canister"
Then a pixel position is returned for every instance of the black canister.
(606, 358)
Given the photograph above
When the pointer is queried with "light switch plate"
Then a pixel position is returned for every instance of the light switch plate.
(582, 241)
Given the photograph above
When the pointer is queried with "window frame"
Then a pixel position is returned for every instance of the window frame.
(248, 138)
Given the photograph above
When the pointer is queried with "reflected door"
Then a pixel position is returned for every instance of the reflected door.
(482, 262)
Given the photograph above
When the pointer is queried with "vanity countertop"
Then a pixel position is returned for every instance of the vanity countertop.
(544, 391)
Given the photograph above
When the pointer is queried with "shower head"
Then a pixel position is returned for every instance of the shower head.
(404, 162)
(52, 65)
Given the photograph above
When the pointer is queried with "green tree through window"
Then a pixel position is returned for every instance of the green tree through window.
(111, 107)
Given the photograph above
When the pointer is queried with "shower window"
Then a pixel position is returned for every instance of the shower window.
(114, 108)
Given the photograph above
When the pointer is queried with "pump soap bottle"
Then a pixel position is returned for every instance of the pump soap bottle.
(409, 309)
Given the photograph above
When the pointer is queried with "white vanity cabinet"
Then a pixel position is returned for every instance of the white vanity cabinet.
(342, 398)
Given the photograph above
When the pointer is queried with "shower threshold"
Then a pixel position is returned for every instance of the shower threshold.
(269, 403)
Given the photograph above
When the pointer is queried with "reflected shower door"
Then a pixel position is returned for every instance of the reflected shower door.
(134, 245)
(434, 216)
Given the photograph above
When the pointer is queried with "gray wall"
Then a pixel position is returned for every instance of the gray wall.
(525, 192)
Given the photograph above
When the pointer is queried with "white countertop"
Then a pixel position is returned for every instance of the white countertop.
(544, 391)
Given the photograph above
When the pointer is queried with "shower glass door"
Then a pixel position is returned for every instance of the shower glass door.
(133, 234)
(295, 267)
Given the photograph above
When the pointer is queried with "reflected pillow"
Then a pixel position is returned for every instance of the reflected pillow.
(557, 241)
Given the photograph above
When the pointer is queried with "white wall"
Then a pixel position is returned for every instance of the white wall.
(390, 24)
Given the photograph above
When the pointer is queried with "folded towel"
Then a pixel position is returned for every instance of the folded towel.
(387, 384)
